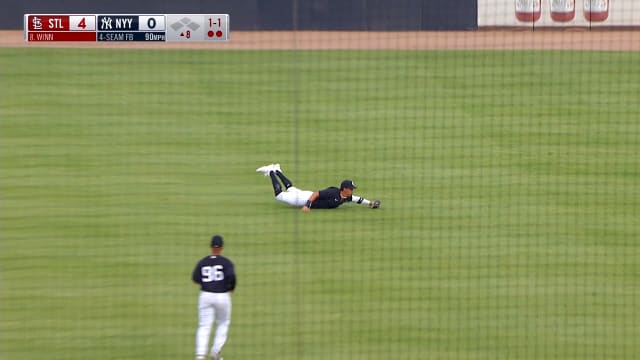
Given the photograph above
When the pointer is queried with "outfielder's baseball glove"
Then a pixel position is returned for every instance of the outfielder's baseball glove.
(375, 204)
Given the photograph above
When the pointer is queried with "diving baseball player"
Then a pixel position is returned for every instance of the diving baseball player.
(329, 198)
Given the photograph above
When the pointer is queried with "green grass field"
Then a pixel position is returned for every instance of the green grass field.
(510, 183)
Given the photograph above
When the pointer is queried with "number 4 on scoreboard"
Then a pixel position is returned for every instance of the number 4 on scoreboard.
(82, 23)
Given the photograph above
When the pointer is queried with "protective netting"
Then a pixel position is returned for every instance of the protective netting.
(506, 162)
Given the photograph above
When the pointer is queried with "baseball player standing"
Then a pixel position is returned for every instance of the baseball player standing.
(217, 279)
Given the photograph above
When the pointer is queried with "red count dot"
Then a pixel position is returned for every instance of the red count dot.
(219, 33)
(210, 33)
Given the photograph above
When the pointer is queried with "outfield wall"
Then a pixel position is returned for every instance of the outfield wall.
(376, 15)
(363, 15)
(559, 13)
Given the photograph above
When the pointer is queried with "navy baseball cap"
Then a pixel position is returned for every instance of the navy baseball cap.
(348, 184)
(216, 241)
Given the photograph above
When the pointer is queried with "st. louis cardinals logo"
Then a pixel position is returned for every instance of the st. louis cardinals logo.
(37, 23)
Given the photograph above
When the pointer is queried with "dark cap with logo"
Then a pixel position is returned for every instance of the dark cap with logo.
(347, 184)
(216, 241)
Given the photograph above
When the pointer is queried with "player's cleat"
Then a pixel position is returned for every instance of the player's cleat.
(276, 167)
(216, 356)
(265, 169)
(201, 357)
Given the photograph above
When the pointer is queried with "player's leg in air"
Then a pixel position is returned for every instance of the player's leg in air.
(276, 173)
(273, 171)
(290, 195)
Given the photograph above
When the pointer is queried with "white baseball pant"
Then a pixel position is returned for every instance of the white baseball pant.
(294, 196)
(210, 306)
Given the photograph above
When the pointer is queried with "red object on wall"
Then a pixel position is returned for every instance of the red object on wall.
(528, 10)
(563, 10)
(596, 10)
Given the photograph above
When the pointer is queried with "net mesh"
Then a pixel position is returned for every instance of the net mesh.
(506, 162)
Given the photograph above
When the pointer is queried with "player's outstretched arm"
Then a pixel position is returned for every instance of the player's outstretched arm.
(374, 204)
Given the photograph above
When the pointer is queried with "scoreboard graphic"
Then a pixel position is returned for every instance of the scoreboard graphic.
(126, 27)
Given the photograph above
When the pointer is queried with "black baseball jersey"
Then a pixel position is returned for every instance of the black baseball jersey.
(215, 274)
(329, 198)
